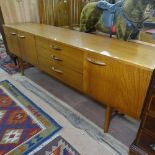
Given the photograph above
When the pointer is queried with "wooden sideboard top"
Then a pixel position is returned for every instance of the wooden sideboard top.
(129, 52)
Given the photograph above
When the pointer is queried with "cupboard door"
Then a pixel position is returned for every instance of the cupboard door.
(121, 85)
(28, 48)
(12, 41)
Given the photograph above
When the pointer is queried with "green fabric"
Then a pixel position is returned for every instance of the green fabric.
(92, 17)
(89, 17)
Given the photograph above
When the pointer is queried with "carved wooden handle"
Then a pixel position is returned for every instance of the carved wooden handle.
(56, 58)
(13, 33)
(54, 47)
(96, 62)
(57, 70)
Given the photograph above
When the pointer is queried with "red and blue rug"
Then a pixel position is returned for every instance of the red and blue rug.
(58, 146)
(9, 66)
(23, 125)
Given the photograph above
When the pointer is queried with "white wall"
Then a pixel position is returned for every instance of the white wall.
(20, 11)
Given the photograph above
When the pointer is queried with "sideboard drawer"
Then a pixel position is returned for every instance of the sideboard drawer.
(62, 73)
(71, 61)
(60, 48)
(48, 44)
(147, 142)
(70, 77)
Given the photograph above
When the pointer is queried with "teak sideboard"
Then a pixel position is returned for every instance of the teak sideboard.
(113, 72)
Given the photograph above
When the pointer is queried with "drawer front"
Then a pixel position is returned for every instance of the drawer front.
(149, 124)
(12, 41)
(60, 48)
(147, 142)
(47, 67)
(70, 61)
(48, 44)
(152, 104)
(62, 73)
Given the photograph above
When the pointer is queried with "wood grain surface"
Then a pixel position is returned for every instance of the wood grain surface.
(128, 52)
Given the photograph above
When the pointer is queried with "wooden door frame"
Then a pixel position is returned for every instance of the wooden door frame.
(2, 30)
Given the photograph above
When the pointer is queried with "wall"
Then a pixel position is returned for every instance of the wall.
(19, 11)
(62, 12)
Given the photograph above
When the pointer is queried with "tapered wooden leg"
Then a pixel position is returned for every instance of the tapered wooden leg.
(107, 119)
(21, 65)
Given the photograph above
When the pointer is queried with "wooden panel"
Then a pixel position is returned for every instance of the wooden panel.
(62, 73)
(149, 124)
(12, 41)
(146, 37)
(71, 61)
(28, 48)
(60, 12)
(117, 84)
(147, 142)
(20, 11)
(48, 44)
(46, 66)
(152, 104)
(71, 57)
(58, 47)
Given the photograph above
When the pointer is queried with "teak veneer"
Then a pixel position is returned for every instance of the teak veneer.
(113, 72)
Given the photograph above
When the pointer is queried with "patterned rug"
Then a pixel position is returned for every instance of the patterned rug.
(86, 130)
(58, 146)
(81, 133)
(9, 67)
(24, 126)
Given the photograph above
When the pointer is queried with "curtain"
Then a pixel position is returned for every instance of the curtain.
(62, 12)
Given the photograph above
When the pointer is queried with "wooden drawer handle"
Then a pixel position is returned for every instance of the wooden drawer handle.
(54, 47)
(96, 62)
(57, 70)
(56, 58)
(152, 146)
(13, 33)
(22, 37)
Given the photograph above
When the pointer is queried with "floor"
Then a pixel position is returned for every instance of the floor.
(122, 128)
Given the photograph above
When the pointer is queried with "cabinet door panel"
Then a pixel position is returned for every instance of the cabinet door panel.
(12, 41)
(146, 142)
(28, 47)
(120, 85)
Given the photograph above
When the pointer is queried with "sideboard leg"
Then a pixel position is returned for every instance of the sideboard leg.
(107, 119)
(21, 65)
